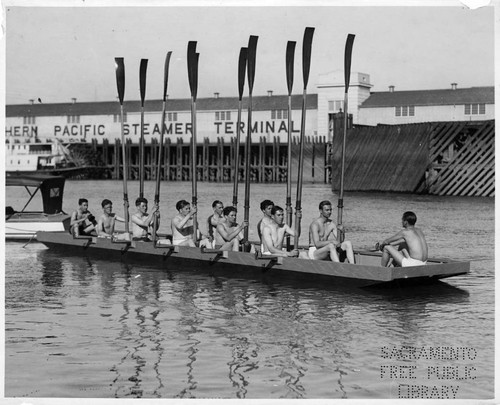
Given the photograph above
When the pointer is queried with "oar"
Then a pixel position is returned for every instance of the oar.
(142, 86)
(306, 63)
(192, 61)
(242, 65)
(290, 52)
(120, 82)
(347, 76)
(160, 146)
(251, 56)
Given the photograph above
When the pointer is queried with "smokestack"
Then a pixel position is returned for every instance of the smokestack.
(391, 89)
(73, 99)
(216, 95)
(269, 93)
(32, 101)
(453, 86)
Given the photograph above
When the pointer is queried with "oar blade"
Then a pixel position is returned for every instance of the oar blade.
(306, 53)
(251, 57)
(195, 75)
(242, 67)
(191, 59)
(290, 56)
(120, 78)
(142, 79)
(347, 60)
(165, 74)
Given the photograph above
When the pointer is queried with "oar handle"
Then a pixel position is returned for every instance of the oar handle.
(120, 84)
(242, 66)
(251, 58)
(160, 145)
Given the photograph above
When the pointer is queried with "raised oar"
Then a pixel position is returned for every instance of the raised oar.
(251, 56)
(242, 65)
(347, 77)
(142, 86)
(192, 61)
(120, 83)
(306, 64)
(290, 52)
(160, 147)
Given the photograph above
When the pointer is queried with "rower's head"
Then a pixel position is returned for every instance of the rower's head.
(325, 208)
(107, 205)
(183, 207)
(83, 203)
(409, 217)
(142, 204)
(278, 214)
(218, 206)
(230, 213)
(266, 206)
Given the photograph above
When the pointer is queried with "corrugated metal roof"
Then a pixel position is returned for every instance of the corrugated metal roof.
(259, 103)
(458, 96)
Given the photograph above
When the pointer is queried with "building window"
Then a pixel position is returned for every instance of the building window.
(73, 119)
(474, 109)
(335, 105)
(29, 120)
(405, 111)
(117, 117)
(172, 116)
(223, 116)
(279, 114)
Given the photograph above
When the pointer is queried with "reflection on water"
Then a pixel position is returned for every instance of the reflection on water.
(188, 334)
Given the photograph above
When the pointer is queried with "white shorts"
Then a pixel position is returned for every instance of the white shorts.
(410, 262)
(312, 249)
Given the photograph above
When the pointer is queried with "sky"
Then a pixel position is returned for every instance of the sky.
(60, 53)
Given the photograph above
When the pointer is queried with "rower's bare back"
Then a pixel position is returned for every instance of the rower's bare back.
(417, 245)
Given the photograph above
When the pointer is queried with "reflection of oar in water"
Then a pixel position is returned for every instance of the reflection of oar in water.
(192, 61)
(290, 51)
(160, 146)
(251, 55)
(242, 65)
(306, 63)
(142, 86)
(120, 82)
(347, 76)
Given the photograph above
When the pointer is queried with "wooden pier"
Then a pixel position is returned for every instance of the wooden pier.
(214, 160)
(441, 158)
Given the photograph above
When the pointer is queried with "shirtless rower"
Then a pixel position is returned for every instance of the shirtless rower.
(273, 234)
(228, 235)
(142, 221)
(408, 247)
(324, 240)
(82, 220)
(106, 224)
(182, 226)
(214, 219)
(265, 206)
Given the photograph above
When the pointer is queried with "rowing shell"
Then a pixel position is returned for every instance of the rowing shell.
(366, 272)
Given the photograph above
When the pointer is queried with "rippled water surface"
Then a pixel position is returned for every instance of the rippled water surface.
(76, 326)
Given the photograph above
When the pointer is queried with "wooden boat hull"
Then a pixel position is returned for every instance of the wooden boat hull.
(367, 271)
(25, 225)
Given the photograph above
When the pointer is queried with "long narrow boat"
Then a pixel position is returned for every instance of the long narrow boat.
(23, 223)
(365, 273)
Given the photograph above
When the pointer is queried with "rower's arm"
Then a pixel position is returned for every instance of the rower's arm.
(180, 224)
(74, 219)
(397, 238)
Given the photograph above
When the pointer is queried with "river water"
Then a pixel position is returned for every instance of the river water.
(80, 327)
